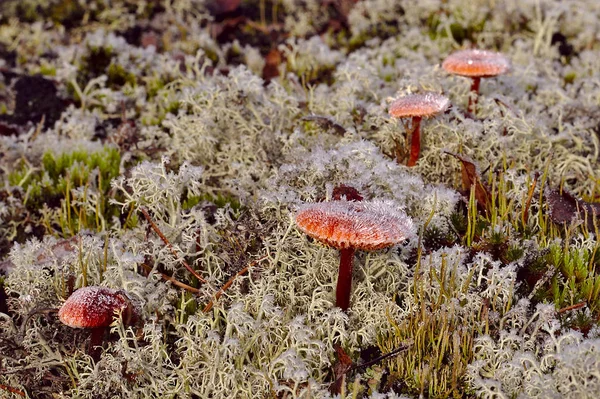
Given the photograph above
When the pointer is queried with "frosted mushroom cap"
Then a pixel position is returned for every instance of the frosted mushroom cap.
(360, 225)
(91, 307)
(426, 104)
(476, 63)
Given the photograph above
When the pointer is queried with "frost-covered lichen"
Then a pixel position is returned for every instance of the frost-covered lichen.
(164, 148)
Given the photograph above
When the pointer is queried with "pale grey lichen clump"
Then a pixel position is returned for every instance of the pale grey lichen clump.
(223, 160)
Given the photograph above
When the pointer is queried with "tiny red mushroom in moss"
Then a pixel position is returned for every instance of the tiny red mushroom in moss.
(476, 64)
(95, 308)
(348, 226)
(417, 106)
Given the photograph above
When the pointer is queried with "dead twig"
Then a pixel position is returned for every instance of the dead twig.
(168, 244)
(228, 284)
(344, 365)
(573, 307)
(171, 279)
(12, 390)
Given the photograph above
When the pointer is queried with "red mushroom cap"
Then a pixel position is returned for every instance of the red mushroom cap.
(91, 307)
(426, 104)
(360, 225)
(476, 63)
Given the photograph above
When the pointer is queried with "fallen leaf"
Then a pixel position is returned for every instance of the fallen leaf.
(272, 62)
(340, 368)
(470, 177)
(564, 207)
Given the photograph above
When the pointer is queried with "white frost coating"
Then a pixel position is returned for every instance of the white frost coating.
(361, 225)
(427, 104)
(476, 63)
(90, 307)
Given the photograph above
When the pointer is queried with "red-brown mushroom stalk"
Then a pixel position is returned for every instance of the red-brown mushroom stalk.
(349, 226)
(95, 308)
(417, 106)
(476, 64)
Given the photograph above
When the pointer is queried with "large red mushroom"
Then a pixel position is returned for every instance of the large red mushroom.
(95, 308)
(351, 225)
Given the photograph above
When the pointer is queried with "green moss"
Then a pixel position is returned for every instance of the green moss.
(576, 279)
(119, 76)
(569, 78)
(52, 186)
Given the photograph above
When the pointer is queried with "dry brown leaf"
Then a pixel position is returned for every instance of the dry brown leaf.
(470, 177)
(340, 368)
(564, 207)
(272, 62)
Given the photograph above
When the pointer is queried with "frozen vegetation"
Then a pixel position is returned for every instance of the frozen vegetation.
(164, 148)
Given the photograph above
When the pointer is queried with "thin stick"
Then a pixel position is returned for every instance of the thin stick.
(404, 347)
(573, 307)
(228, 284)
(173, 280)
(168, 244)
(12, 390)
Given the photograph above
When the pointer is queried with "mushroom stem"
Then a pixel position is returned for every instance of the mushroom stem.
(473, 99)
(344, 283)
(96, 342)
(415, 141)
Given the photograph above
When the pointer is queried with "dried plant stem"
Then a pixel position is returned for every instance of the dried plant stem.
(525, 215)
(168, 244)
(573, 307)
(228, 284)
(171, 279)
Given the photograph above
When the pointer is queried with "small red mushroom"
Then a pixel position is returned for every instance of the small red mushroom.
(351, 225)
(476, 64)
(417, 106)
(95, 308)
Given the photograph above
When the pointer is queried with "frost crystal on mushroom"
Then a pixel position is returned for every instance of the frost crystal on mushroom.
(476, 63)
(361, 225)
(92, 307)
(419, 105)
